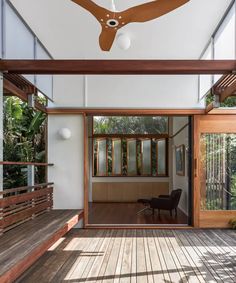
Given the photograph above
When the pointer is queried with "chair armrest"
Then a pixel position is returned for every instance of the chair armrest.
(160, 203)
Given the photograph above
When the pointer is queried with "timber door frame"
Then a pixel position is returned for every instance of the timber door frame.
(209, 124)
(149, 112)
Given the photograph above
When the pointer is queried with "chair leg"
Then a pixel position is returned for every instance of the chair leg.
(171, 213)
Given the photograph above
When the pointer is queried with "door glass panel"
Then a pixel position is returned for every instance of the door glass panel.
(132, 153)
(161, 157)
(102, 153)
(117, 159)
(218, 171)
(146, 157)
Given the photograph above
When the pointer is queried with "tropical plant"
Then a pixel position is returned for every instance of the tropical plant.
(232, 222)
(24, 140)
(130, 125)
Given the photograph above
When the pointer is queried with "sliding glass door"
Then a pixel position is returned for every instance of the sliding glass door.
(215, 170)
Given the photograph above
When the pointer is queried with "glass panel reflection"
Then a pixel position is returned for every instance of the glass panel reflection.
(218, 171)
(117, 158)
(161, 157)
(131, 158)
(146, 157)
(102, 157)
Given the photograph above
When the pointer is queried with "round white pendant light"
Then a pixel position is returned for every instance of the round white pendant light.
(123, 41)
(65, 133)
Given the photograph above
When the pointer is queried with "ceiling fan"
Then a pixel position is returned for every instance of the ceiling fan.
(111, 20)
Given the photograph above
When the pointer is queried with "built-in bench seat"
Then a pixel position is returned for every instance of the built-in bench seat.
(23, 245)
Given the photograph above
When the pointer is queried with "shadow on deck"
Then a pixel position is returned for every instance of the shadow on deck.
(145, 256)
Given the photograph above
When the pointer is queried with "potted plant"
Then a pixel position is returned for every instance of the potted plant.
(232, 222)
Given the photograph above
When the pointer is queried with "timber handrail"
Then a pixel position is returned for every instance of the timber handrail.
(25, 188)
(25, 163)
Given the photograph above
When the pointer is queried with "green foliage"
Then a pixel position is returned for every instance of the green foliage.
(232, 222)
(219, 159)
(229, 102)
(24, 140)
(130, 125)
(209, 99)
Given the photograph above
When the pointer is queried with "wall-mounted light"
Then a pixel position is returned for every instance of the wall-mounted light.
(123, 41)
(64, 133)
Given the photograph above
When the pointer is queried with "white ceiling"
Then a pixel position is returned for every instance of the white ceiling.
(68, 31)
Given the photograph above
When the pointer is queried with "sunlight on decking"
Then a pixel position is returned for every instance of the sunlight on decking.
(139, 256)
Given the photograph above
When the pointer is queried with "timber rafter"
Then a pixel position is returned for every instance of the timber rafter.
(225, 87)
(17, 85)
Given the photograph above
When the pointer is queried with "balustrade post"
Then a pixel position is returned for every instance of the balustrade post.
(31, 182)
(31, 100)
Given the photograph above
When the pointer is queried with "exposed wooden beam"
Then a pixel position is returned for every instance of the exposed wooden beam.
(223, 111)
(210, 107)
(121, 67)
(229, 91)
(124, 112)
(12, 89)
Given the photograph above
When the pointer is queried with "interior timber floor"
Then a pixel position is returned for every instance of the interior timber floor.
(127, 213)
(140, 256)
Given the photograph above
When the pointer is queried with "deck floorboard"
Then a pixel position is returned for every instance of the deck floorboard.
(121, 256)
(27, 242)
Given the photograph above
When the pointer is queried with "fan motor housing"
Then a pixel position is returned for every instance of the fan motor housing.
(112, 23)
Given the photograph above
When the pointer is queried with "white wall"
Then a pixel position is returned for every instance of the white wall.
(168, 92)
(68, 159)
(69, 31)
(181, 182)
(68, 91)
(143, 92)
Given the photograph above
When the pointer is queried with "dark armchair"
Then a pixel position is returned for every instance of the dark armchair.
(167, 202)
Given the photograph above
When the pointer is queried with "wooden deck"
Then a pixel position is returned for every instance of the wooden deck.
(23, 245)
(145, 256)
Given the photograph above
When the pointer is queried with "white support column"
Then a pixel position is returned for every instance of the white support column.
(30, 175)
(216, 101)
(31, 168)
(31, 101)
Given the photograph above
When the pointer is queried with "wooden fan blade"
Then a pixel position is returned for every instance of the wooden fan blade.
(97, 11)
(151, 10)
(107, 38)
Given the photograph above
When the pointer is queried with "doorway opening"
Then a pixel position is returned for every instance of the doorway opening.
(139, 170)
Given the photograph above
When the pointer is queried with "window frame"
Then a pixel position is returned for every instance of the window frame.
(98, 138)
